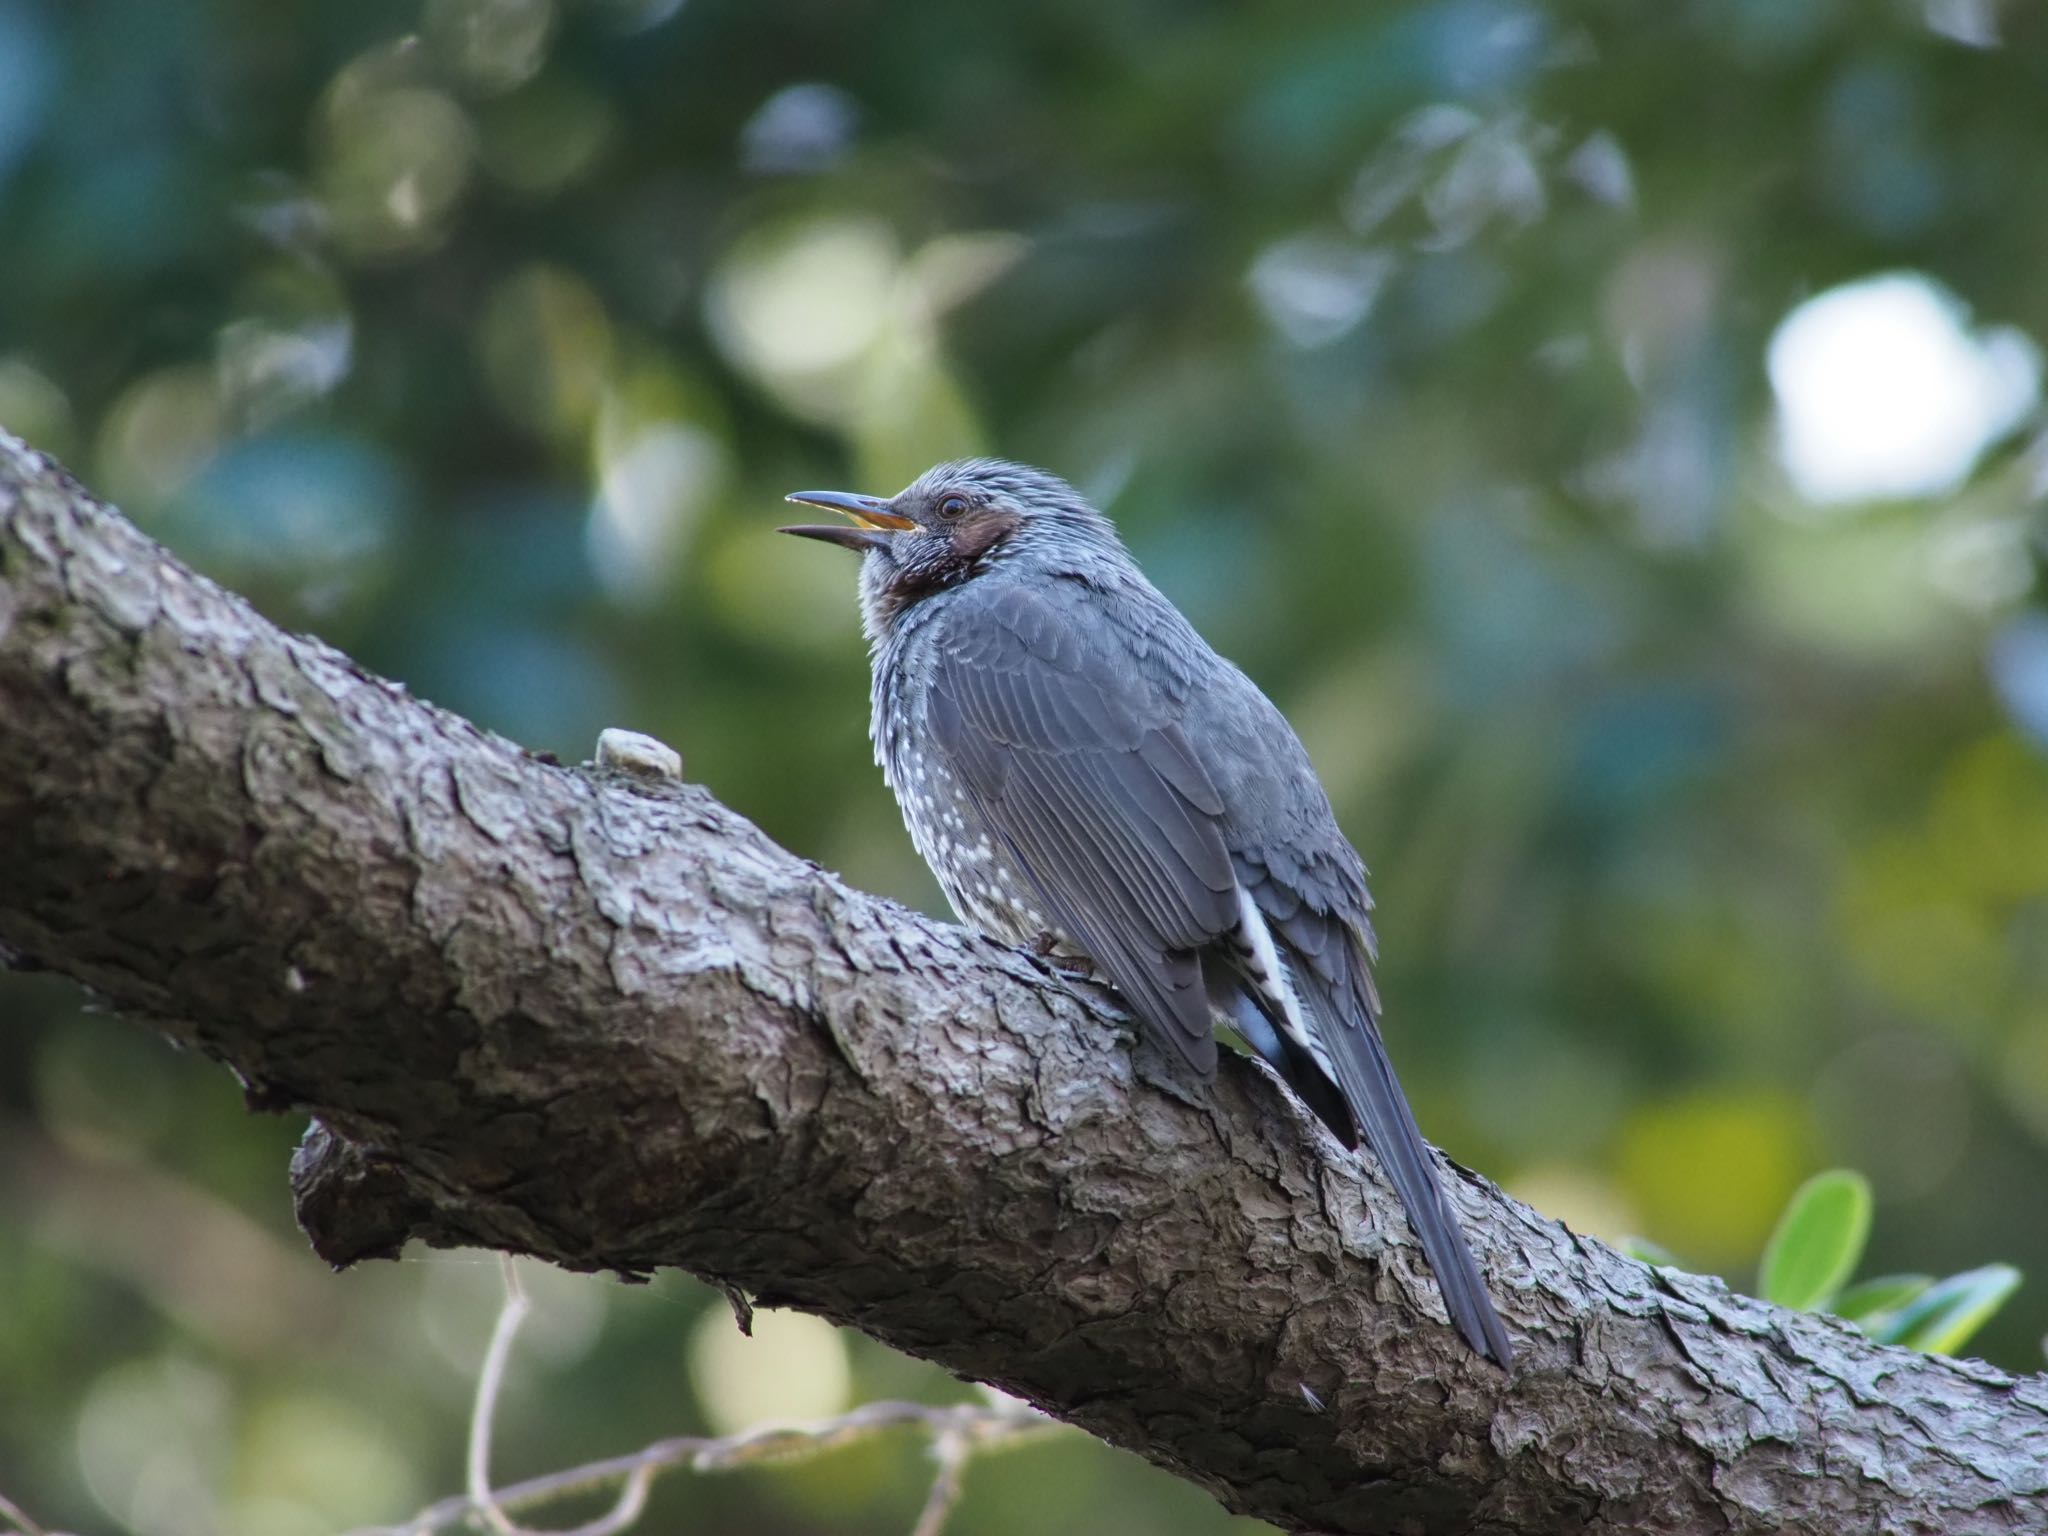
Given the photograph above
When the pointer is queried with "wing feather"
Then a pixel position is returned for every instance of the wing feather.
(1081, 769)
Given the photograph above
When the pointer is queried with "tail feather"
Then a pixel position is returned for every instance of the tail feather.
(1357, 1058)
(1259, 1025)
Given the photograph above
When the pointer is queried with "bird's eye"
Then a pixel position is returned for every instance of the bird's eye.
(953, 506)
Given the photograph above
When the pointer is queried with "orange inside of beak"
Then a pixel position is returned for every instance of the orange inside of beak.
(888, 521)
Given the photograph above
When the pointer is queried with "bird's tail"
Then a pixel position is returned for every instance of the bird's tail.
(1357, 1058)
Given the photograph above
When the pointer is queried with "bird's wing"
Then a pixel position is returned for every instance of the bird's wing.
(1082, 771)
(1321, 930)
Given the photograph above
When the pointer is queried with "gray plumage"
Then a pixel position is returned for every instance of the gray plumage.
(1081, 770)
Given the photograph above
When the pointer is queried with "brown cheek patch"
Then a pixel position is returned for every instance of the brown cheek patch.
(954, 562)
(984, 533)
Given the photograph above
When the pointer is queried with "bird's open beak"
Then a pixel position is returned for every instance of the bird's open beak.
(874, 523)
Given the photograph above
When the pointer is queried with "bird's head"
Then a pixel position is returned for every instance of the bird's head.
(956, 521)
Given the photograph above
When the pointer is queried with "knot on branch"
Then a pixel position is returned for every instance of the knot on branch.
(352, 1203)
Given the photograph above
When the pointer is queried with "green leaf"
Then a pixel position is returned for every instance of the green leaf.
(1649, 1252)
(1818, 1240)
(1872, 1301)
(1943, 1319)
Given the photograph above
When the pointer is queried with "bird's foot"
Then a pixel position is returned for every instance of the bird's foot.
(1078, 967)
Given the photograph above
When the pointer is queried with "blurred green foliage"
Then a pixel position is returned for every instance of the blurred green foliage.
(1687, 692)
(1939, 1316)
(1815, 1247)
(1818, 1241)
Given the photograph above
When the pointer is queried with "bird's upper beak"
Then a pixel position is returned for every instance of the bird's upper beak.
(874, 524)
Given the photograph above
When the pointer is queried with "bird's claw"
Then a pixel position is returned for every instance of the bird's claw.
(1076, 967)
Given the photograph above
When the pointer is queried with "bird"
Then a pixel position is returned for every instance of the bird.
(1087, 777)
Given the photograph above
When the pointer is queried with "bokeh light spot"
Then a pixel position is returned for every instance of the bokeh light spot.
(33, 406)
(312, 505)
(1711, 1171)
(1313, 289)
(798, 308)
(268, 369)
(314, 1464)
(794, 1367)
(394, 158)
(547, 350)
(152, 1443)
(2022, 1078)
(1884, 390)
(493, 44)
(158, 433)
(1579, 1197)
(2018, 663)
(801, 128)
(546, 136)
(655, 477)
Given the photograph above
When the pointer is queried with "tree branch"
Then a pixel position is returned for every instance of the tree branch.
(563, 1013)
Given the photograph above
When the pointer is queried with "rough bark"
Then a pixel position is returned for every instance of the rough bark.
(611, 1024)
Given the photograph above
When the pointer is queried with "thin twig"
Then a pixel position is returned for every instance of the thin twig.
(479, 1500)
(950, 1451)
(631, 1501)
(957, 1428)
(21, 1521)
(976, 1424)
(483, 1414)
